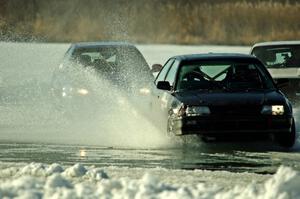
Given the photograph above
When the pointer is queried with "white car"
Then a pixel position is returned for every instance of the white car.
(282, 59)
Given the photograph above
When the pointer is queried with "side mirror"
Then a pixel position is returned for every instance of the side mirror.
(156, 68)
(281, 83)
(163, 85)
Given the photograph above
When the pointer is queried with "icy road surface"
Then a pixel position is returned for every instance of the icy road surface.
(43, 154)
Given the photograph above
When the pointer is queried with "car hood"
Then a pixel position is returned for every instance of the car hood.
(230, 98)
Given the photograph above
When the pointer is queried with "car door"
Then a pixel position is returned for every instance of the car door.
(163, 97)
(170, 77)
(167, 97)
(157, 93)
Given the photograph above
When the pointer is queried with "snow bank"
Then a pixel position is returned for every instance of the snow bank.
(55, 181)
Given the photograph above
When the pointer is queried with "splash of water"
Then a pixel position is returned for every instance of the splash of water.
(29, 113)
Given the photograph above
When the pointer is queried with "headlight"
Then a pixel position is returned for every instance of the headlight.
(197, 110)
(273, 110)
(66, 91)
(82, 91)
(144, 91)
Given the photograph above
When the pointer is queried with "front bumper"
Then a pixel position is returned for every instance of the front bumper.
(225, 125)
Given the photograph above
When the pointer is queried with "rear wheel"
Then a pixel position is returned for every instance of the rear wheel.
(288, 139)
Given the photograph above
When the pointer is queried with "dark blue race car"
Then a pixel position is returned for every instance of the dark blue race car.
(222, 96)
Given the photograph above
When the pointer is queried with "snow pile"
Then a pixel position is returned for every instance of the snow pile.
(54, 181)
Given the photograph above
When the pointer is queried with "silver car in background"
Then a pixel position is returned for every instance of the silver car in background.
(91, 72)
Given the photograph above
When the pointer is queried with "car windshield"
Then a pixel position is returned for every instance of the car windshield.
(279, 56)
(112, 58)
(225, 76)
(121, 64)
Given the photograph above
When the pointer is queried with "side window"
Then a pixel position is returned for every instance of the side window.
(172, 73)
(161, 76)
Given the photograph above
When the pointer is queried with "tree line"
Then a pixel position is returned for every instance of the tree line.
(237, 22)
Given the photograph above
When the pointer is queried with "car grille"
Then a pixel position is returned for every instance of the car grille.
(248, 110)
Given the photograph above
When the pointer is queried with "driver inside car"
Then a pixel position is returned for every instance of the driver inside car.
(193, 79)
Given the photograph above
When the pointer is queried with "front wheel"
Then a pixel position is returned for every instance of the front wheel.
(170, 130)
(288, 139)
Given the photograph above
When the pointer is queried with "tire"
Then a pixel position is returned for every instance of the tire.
(287, 140)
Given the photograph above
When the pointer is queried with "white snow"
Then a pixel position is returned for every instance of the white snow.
(37, 180)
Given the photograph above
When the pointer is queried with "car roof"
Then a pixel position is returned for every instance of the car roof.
(214, 56)
(101, 43)
(276, 43)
